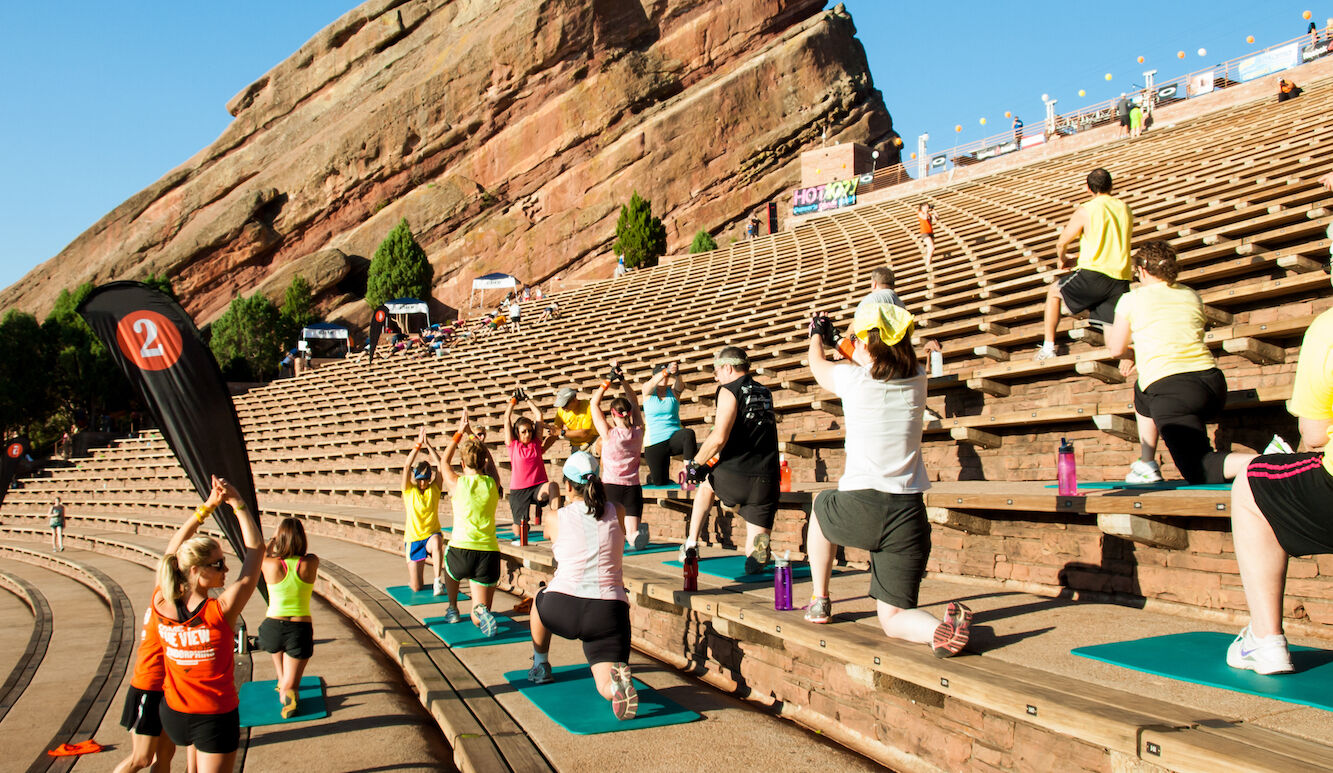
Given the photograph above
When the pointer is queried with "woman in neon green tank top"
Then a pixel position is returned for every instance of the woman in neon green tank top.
(287, 632)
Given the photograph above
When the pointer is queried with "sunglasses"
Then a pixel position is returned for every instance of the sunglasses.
(219, 565)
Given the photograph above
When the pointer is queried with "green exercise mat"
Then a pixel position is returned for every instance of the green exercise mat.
(572, 702)
(652, 547)
(259, 703)
(507, 534)
(733, 568)
(404, 595)
(667, 487)
(1166, 485)
(1201, 657)
(465, 633)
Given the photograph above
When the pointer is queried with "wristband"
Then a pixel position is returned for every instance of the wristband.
(513, 401)
(458, 437)
(605, 384)
(201, 512)
(239, 507)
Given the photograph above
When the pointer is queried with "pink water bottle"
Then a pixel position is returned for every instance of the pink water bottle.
(1066, 476)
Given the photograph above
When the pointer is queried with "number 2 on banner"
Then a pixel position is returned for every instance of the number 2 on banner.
(149, 340)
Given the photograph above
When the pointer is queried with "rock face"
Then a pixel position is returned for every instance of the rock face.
(508, 134)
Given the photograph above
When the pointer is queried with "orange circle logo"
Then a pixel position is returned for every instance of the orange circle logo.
(149, 340)
(380, 315)
(15, 450)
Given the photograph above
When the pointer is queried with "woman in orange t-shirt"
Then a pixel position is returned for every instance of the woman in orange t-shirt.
(199, 701)
(925, 216)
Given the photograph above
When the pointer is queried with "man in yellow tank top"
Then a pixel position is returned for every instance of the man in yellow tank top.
(1102, 226)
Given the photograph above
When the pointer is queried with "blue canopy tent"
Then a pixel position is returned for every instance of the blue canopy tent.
(402, 307)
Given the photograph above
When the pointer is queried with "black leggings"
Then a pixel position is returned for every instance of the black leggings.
(1180, 406)
(658, 455)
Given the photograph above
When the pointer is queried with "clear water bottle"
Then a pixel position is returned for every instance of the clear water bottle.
(1066, 474)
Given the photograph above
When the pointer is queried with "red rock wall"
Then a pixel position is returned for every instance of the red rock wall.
(508, 134)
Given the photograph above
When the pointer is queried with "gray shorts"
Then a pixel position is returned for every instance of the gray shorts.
(893, 527)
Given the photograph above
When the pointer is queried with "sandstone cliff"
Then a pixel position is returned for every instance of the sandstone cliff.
(507, 133)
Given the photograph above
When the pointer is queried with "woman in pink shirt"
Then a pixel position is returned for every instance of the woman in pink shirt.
(586, 599)
(622, 445)
(528, 484)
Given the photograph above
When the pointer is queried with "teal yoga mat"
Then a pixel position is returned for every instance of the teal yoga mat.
(507, 534)
(572, 702)
(1166, 485)
(404, 595)
(464, 633)
(1201, 657)
(652, 547)
(733, 568)
(667, 487)
(259, 702)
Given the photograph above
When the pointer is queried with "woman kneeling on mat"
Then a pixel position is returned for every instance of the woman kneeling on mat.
(586, 599)
(878, 505)
(661, 414)
(421, 504)
(287, 632)
(1160, 324)
(473, 553)
(622, 445)
(143, 701)
(199, 708)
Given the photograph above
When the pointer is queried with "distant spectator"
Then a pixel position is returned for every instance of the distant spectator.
(573, 419)
(514, 309)
(925, 218)
(1102, 226)
(1122, 113)
(752, 228)
(1018, 131)
(552, 311)
(666, 436)
(620, 267)
(1135, 121)
(57, 513)
(1287, 90)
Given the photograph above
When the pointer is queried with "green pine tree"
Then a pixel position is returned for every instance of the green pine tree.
(246, 339)
(703, 242)
(298, 310)
(399, 269)
(640, 237)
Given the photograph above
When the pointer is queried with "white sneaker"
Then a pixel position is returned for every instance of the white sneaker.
(1144, 472)
(1279, 446)
(439, 586)
(1044, 352)
(1263, 656)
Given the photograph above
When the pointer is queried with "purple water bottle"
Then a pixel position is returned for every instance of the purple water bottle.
(1066, 476)
(782, 584)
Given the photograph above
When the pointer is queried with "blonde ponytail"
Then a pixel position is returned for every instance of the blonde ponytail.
(169, 577)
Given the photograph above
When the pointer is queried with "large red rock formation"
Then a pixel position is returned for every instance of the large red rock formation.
(508, 134)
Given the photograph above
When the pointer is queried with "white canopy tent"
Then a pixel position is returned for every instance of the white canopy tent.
(327, 331)
(495, 281)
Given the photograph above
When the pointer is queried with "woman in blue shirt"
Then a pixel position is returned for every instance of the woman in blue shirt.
(661, 411)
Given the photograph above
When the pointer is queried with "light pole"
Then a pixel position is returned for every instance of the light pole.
(1149, 93)
(921, 160)
(1050, 114)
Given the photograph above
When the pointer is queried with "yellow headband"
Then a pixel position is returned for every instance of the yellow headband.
(892, 322)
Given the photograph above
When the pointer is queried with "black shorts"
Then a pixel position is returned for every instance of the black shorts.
(754, 496)
(601, 624)
(208, 733)
(479, 566)
(140, 715)
(1295, 494)
(628, 497)
(295, 638)
(1092, 291)
(520, 499)
(893, 527)
(1181, 406)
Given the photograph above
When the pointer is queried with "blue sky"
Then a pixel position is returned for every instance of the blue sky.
(102, 99)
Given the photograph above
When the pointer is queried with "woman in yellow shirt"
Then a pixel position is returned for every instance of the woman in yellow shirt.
(1158, 329)
(474, 552)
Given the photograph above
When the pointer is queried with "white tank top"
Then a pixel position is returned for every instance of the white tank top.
(588, 553)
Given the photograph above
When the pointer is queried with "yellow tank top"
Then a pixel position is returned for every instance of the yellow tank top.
(577, 419)
(290, 596)
(475, 498)
(1104, 244)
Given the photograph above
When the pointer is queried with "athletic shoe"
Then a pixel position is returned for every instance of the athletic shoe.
(1045, 352)
(439, 588)
(451, 615)
(484, 620)
(820, 610)
(624, 698)
(517, 543)
(1278, 446)
(288, 704)
(952, 634)
(1144, 472)
(684, 548)
(540, 673)
(641, 537)
(1263, 656)
(760, 556)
